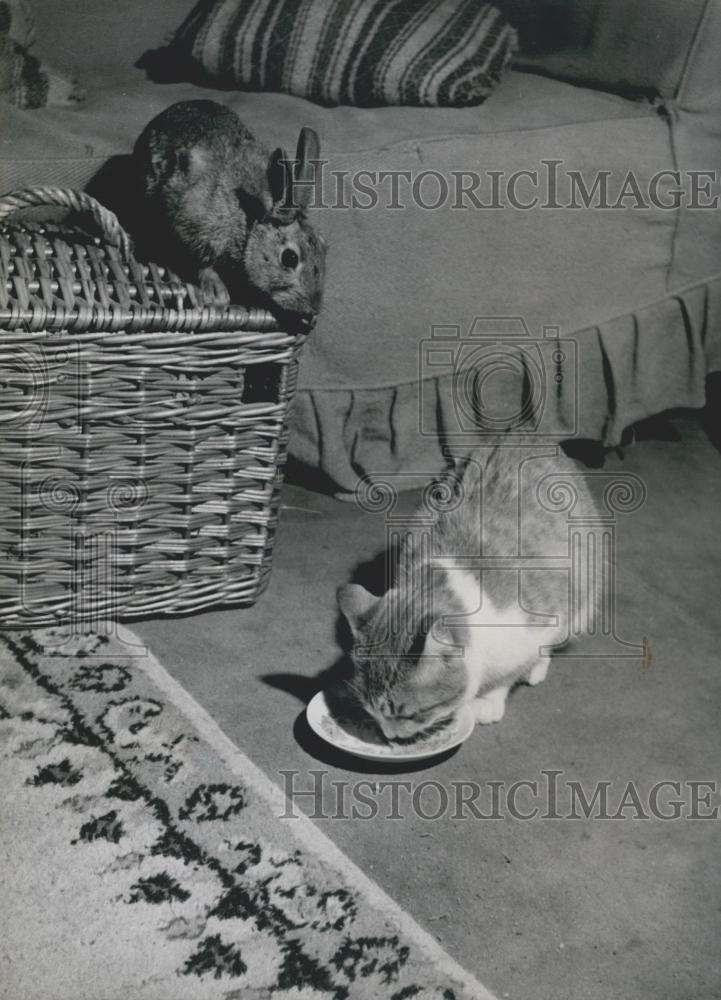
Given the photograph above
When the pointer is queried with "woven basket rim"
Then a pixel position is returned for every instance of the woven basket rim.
(174, 305)
(140, 321)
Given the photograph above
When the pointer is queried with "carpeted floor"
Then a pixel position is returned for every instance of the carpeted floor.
(144, 856)
(539, 909)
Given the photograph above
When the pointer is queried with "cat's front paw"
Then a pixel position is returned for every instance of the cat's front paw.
(538, 672)
(491, 707)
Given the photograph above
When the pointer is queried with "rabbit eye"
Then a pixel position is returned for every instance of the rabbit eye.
(289, 258)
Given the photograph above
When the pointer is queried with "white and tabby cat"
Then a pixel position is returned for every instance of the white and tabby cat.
(447, 632)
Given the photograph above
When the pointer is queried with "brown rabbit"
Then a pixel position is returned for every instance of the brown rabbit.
(230, 213)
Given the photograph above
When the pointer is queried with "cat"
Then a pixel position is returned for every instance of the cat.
(447, 632)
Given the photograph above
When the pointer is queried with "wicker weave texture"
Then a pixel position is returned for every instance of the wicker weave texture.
(142, 435)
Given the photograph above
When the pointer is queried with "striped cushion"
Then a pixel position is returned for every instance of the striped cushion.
(362, 52)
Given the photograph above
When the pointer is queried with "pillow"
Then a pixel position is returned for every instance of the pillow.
(23, 81)
(362, 52)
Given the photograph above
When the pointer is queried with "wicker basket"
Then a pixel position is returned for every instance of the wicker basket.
(142, 433)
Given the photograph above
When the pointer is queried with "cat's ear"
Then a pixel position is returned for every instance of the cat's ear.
(356, 604)
(433, 663)
(439, 639)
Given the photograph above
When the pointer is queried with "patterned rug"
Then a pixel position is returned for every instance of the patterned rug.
(142, 855)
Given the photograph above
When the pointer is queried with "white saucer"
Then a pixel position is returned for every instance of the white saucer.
(367, 742)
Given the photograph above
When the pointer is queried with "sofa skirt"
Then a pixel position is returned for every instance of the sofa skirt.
(622, 370)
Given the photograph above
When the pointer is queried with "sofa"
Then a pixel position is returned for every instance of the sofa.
(621, 283)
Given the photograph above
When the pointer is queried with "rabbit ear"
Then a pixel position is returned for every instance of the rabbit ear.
(307, 155)
(280, 180)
